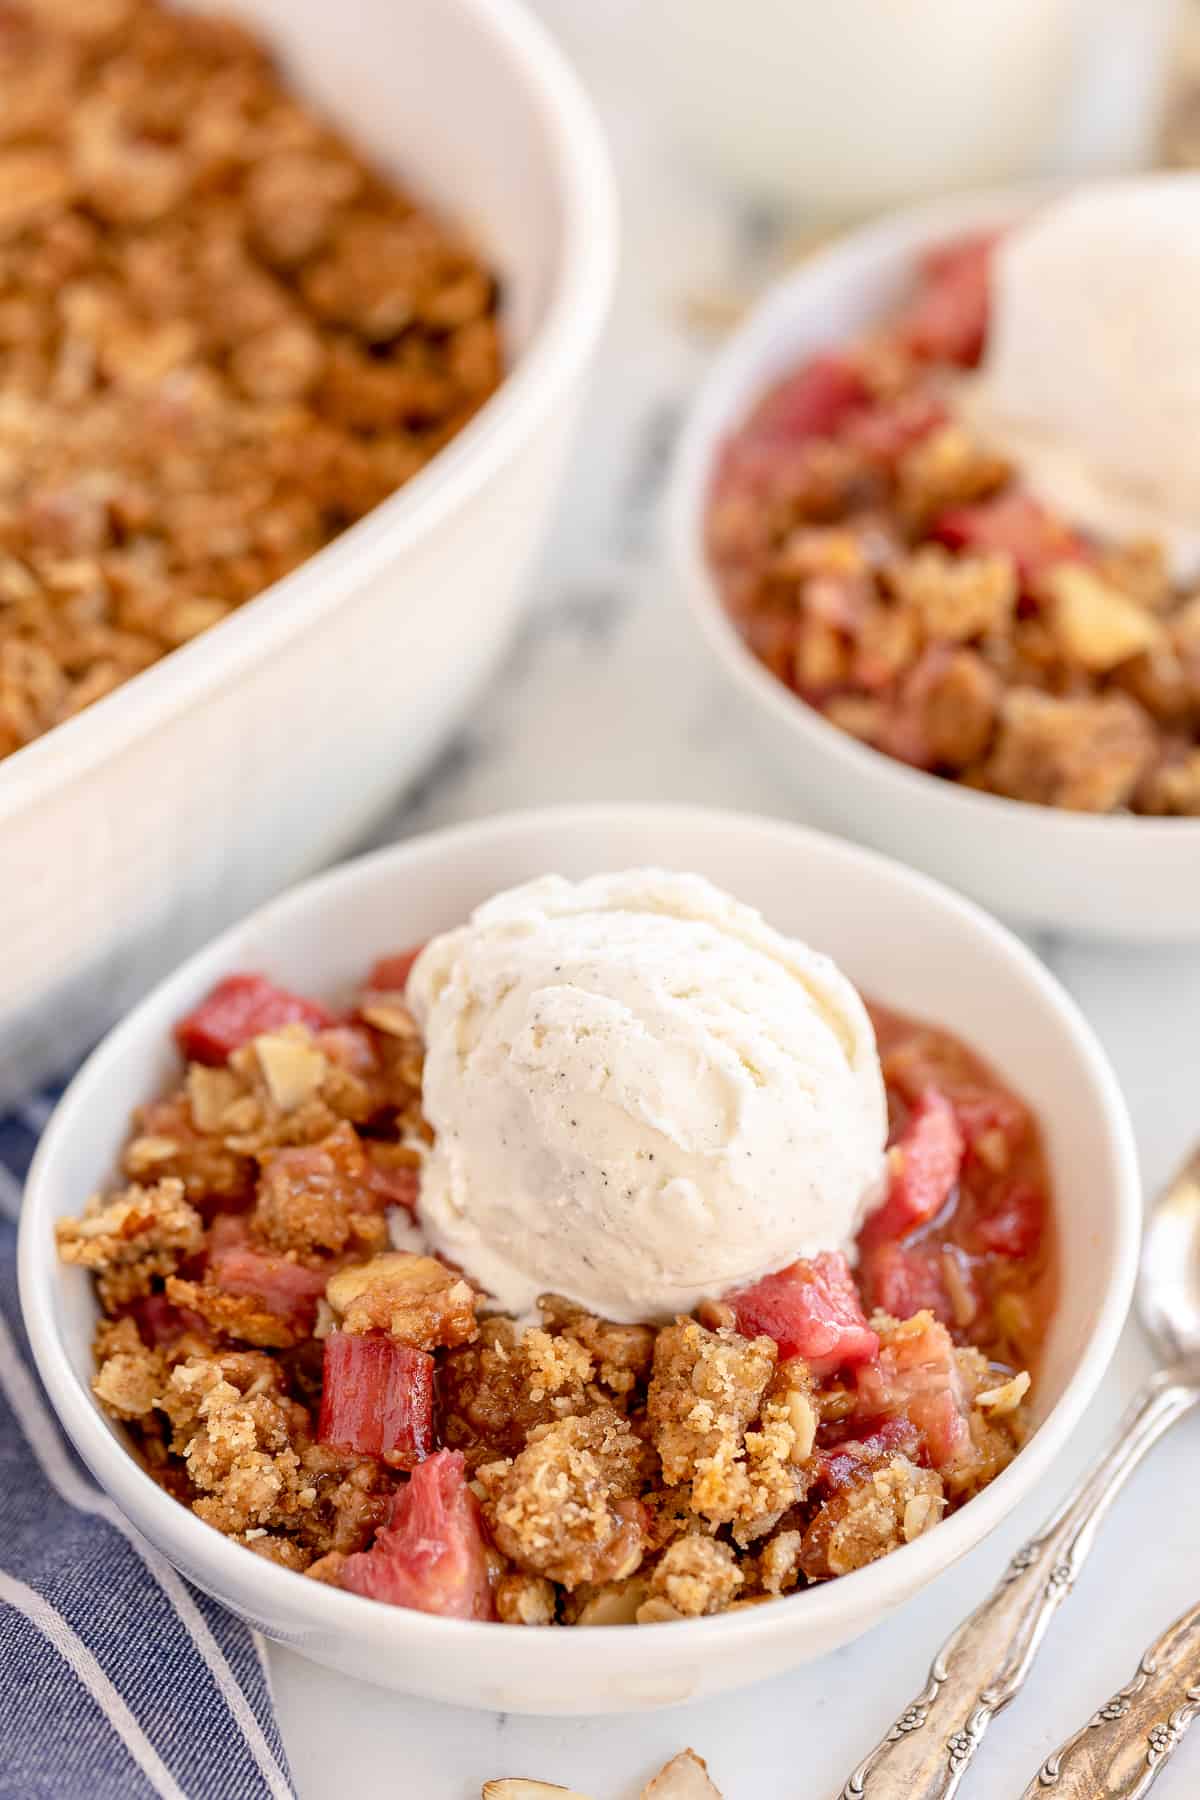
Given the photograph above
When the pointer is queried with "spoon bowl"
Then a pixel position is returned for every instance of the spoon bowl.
(1168, 1291)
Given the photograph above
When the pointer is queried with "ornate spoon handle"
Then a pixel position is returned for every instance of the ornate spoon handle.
(985, 1663)
(1118, 1754)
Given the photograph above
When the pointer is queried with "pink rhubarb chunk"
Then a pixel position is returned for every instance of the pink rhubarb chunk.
(812, 1310)
(431, 1555)
(238, 1009)
(288, 1289)
(377, 1397)
(916, 1376)
(1012, 522)
(925, 1163)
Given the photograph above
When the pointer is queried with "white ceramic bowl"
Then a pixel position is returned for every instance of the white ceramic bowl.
(1135, 878)
(133, 832)
(905, 940)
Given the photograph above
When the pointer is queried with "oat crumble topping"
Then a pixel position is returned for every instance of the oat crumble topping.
(354, 1412)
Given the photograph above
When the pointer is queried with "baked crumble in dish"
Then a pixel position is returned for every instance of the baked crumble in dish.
(899, 575)
(224, 338)
(295, 1366)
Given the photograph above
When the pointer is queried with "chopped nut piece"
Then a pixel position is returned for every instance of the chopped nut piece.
(616, 1603)
(524, 1600)
(1006, 1398)
(1097, 624)
(685, 1777)
(294, 1068)
(513, 1788)
(696, 1575)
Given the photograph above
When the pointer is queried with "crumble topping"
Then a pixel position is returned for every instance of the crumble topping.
(896, 574)
(570, 1472)
(224, 338)
(130, 1238)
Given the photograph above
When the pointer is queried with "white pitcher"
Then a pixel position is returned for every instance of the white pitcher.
(843, 106)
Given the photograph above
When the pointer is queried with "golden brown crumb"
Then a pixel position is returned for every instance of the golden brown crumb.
(524, 1600)
(496, 1390)
(415, 1298)
(778, 1566)
(621, 1354)
(224, 339)
(696, 1575)
(706, 1389)
(884, 1508)
(129, 1238)
(129, 1374)
(1086, 754)
(316, 1197)
(241, 1316)
(564, 1508)
(234, 1430)
(956, 598)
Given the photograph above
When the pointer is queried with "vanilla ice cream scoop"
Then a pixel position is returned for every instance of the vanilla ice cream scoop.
(642, 1095)
(1091, 381)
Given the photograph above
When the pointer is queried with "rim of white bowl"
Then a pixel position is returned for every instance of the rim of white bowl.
(719, 406)
(575, 314)
(863, 1595)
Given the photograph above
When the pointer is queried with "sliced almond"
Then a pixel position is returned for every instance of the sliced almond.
(1007, 1398)
(144, 1152)
(1095, 623)
(613, 1605)
(390, 1015)
(803, 1420)
(685, 1777)
(922, 1511)
(211, 1092)
(292, 1069)
(514, 1788)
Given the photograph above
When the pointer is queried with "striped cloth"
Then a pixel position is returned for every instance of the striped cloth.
(118, 1681)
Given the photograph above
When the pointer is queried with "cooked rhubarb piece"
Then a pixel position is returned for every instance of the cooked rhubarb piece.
(1012, 522)
(431, 1555)
(812, 1310)
(396, 1184)
(925, 1163)
(1013, 1224)
(874, 1442)
(161, 1322)
(916, 1376)
(390, 974)
(238, 1009)
(885, 430)
(377, 1397)
(901, 1281)
(813, 403)
(947, 320)
(288, 1288)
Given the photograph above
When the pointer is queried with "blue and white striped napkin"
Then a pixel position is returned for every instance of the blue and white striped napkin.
(118, 1681)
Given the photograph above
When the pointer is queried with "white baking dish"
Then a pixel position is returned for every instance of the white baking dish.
(131, 833)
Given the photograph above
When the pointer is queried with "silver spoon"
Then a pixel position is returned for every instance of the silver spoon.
(1123, 1749)
(985, 1663)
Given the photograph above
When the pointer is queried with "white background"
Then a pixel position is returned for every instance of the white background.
(607, 696)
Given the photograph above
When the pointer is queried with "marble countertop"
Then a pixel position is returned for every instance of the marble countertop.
(607, 696)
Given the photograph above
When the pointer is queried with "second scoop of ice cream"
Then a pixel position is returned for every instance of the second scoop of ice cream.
(642, 1095)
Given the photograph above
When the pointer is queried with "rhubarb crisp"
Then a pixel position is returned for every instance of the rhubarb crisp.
(886, 564)
(293, 1364)
(224, 337)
